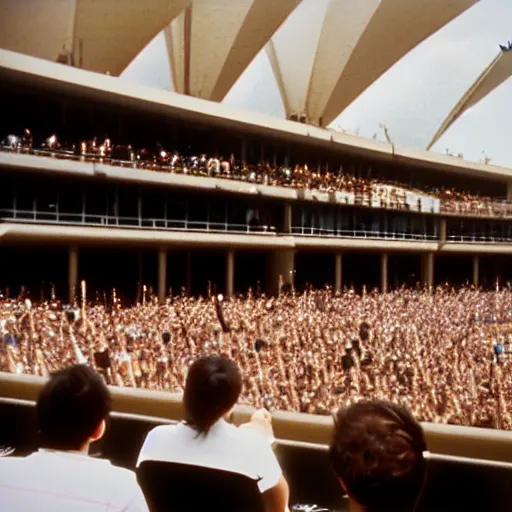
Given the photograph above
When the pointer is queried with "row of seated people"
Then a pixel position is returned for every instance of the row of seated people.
(456, 202)
(364, 191)
(378, 453)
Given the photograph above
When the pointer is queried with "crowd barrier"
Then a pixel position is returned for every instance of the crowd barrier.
(453, 483)
(478, 443)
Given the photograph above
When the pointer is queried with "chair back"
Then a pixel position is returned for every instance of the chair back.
(18, 428)
(459, 483)
(172, 486)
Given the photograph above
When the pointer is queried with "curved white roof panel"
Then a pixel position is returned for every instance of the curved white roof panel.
(498, 71)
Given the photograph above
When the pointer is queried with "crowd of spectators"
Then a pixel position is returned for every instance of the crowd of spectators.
(378, 453)
(366, 191)
(455, 202)
(441, 354)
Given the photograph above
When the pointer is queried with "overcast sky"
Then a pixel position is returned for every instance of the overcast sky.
(412, 98)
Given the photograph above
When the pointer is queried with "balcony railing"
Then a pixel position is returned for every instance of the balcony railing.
(88, 219)
(368, 234)
(480, 238)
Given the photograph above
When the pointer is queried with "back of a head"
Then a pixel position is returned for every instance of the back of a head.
(71, 406)
(377, 452)
(213, 386)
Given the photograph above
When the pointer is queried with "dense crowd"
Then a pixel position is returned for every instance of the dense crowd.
(366, 191)
(456, 202)
(433, 352)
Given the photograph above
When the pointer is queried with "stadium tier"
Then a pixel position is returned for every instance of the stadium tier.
(172, 268)
(272, 203)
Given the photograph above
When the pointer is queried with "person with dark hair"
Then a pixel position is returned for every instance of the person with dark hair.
(213, 386)
(378, 454)
(71, 412)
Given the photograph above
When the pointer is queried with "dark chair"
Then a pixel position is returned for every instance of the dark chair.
(307, 469)
(171, 486)
(18, 428)
(470, 485)
(124, 437)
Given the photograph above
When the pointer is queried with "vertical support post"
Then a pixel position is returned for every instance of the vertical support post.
(162, 275)
(287, 221)
(282, 270)
(188, 285)
(442, 231)
(476, 270)
(230, 273)
(428, 270)
(72, 273)
(338, 272)
(384, 272)
(509, 191)
(139, 209)
(140, 278)
(243, 150)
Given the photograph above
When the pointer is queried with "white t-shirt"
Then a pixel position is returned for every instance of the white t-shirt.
(55, 481)
(225, 447)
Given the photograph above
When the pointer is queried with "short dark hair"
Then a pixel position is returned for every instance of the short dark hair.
(377, 451)
(71, 406)
(213, 386)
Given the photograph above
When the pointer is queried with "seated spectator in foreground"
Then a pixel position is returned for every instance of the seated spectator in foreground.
(71, 413)
(212, 388)
(377, 453)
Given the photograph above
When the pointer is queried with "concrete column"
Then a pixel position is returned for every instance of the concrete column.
(384, 272)
(140, 279)
(442, 231)
(287, 221)
(509, 191)
(162, 275)
(428, 270)
(476, 270)
(281, 269)
(230, 273)
(243, 150)
(338, 271)
(72, 273)
(188, 283)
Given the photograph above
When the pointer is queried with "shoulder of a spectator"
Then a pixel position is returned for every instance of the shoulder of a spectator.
(255, 437)
(129, 491)
(152, 441)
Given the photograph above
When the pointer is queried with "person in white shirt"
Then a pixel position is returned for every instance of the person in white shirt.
(71, 413)
(212, 388)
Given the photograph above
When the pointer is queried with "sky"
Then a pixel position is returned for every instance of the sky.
(411, 99)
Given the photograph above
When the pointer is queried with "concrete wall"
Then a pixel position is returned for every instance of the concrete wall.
(441, 439)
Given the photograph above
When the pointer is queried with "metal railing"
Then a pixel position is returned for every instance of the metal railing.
(501, 209)
(482, 207)
(490, 238)
(88, 219)
(369, 234)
